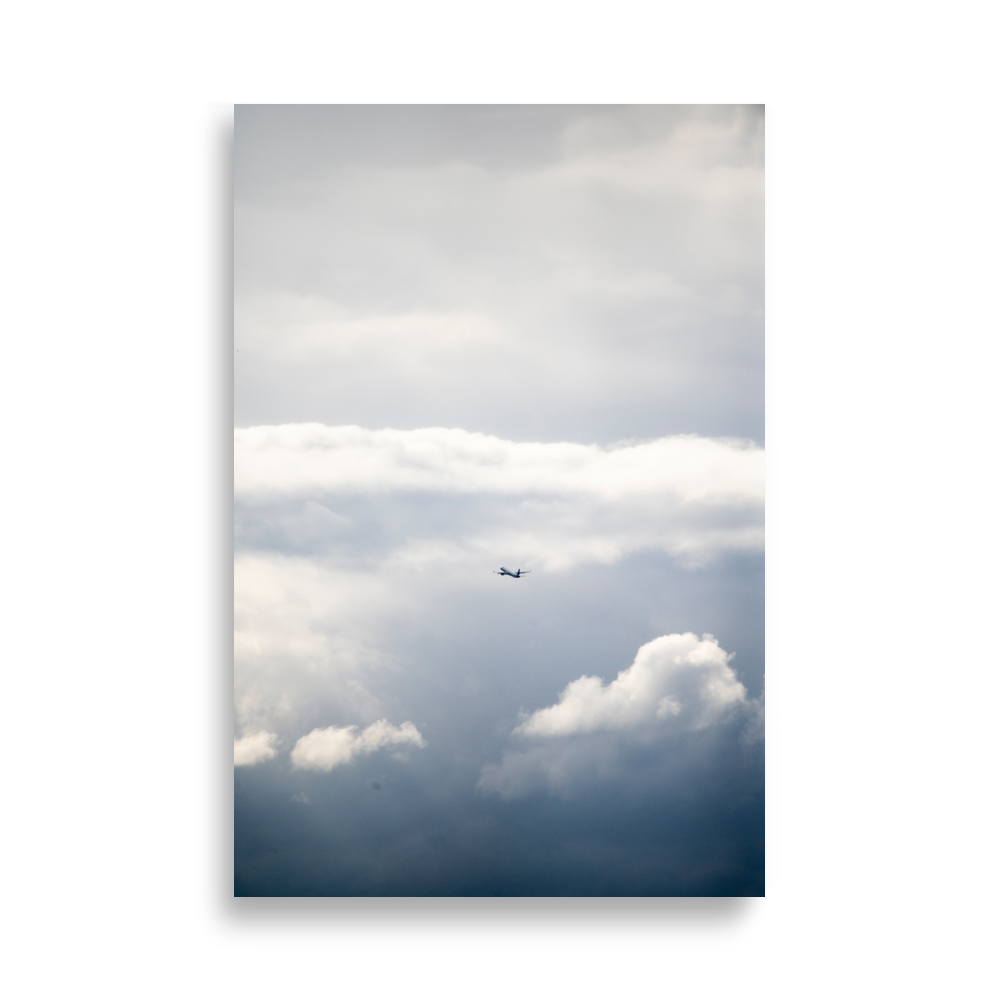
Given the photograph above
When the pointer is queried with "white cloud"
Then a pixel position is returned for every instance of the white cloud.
(677, 678)
(557, 505)
(677, 701)
(254, 748)
(312, 459)
(325, 749)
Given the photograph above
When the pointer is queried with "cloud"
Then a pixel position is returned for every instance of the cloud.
(312, 459)
(307, 639)
(677, 704)
(557, 504)
(608, 284)
(680, 678)
(254, 748)
(469, 337)
(325, 749)
(345, 536)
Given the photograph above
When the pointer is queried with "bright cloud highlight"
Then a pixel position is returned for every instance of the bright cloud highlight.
(675, 677)
(325, 749)
(254, 748)
(556, 505)
(312, 459)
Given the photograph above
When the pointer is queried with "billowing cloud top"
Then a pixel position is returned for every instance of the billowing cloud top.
(675, 676)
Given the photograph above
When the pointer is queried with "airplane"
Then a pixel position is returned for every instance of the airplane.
(503, 571)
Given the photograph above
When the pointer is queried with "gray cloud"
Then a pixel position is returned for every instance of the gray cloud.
(469, 337)
(325, 575)
(604, 283)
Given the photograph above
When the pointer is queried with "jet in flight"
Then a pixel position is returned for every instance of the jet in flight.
(503, 571)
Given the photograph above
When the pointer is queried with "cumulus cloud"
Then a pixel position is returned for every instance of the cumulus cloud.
(325, 749)
(254, 748)
(678, 700)
(674, 677)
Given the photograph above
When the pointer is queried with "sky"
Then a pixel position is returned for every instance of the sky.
(469, 337)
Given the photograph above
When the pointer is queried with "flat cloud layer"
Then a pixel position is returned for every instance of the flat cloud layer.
(557, 504)
(311, 459)
(595, 274)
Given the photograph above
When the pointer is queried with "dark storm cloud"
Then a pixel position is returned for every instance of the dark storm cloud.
(681, 818)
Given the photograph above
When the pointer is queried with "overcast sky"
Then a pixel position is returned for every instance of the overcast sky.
(471, 337)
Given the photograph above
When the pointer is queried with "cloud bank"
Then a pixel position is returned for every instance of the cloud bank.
(311, 460)
(557, 505)
(325, 749)
(600, 279)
